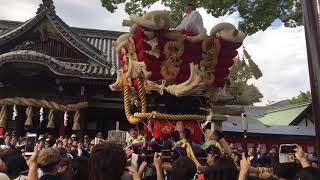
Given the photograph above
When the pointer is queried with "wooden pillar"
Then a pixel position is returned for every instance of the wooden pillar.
(20, 119)
(311, 13)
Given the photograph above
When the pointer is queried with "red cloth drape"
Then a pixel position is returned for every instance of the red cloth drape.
(165, 128)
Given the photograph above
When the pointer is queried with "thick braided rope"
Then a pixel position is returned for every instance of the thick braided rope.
(3, 116)
(43, 103)
(76, 121)
(126, 89)
(171, 116)
(138, 117)
(142, 95)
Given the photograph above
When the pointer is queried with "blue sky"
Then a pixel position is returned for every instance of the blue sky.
(280, 52)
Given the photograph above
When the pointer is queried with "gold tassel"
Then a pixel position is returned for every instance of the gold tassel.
(29, 113)
(253, 66)
(3, 116)
(50, 119)
(76, 121)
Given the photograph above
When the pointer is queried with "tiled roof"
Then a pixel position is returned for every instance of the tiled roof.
(100, 39)
(272, 129)
(283, 115)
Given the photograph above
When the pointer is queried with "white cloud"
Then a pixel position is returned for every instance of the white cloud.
(280, 52)
(281, 55)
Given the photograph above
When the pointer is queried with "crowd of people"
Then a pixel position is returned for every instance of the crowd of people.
(95, 158)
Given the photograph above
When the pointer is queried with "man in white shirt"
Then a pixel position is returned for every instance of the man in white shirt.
(192, 21)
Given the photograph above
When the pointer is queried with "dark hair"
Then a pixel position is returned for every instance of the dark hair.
(187, 133)
(254, 148)
(183, 168)
(191, 4)
(223, 169)
(286, 170)
(78, 169)
(15, 163)
(309, 173)
(107, 161)
(64, 162)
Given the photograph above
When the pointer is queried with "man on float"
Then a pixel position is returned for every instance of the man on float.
(192, 21)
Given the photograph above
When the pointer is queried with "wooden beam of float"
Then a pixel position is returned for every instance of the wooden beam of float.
(226, 110)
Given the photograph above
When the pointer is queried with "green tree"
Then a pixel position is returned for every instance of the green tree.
(255, 14)
(303, 97)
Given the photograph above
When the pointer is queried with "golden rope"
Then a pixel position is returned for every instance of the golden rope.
(131, 119)
(170, 116)
(43, 103)
(29, 114)
(142, 95)
(51, 119)
(76, 121)
(139, 117)
(3, 116)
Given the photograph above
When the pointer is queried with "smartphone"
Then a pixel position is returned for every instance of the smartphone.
(96, 140)
(286, 153)
(30, 144)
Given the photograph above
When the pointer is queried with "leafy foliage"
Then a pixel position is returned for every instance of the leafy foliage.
(255, 14)
(303, 97)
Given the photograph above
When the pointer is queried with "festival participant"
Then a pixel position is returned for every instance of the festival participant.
(213, 154)
(48, 161)
(7, 143)
(308, 172)
(15, 165)
(185, 137)
(192, 21)
(78, 169)
(109, 160)
(14, 142)
(245, 164)
(80, 151)
(223, 169)
(135, 137)
(252, 153)
(86, 142)
(183, 168)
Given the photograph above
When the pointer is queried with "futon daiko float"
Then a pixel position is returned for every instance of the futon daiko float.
(173, 79)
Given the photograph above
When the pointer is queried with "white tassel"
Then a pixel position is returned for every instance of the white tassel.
(65, 118)
(41, 115)
(15, 113)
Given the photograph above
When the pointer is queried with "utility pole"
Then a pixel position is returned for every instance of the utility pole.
(311, 15)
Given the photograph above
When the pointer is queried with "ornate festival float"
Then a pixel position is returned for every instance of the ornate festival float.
(173, 80)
